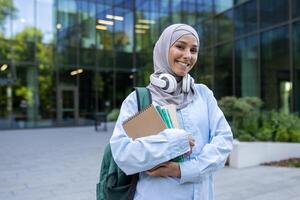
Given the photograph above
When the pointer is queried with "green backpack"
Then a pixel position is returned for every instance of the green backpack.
(114, 184)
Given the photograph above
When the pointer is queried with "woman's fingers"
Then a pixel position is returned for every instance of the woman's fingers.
(166, 169)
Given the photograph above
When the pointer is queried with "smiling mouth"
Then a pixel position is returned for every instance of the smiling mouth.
(185, 65)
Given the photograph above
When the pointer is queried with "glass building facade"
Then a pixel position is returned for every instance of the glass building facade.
(63, 60)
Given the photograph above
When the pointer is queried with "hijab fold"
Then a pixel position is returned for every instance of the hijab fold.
(161, 65)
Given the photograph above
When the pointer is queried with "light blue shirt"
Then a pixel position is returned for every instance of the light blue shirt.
(204, 120)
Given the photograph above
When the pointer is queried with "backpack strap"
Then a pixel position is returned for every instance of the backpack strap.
(143, 97)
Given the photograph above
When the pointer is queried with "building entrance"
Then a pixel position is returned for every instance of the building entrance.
(67, 111)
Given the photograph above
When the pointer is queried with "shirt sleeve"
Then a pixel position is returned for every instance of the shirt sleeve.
(133, 156)
(213, 154)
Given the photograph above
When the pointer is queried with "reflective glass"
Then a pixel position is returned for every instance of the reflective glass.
(204, 6)
(240, 1)
(23, 30)
(104, 91)
(296, 64)
(176, 11)
(224, 26)
(7, 11)
(273, 12)
(87, 15)
(222, 5)
(164, 6)
(6, 103)
(86, 94)
(45, 10)
(124, 85)
(67, 35)
(24, 15)
(275, 67)
(203, 72)
(223, 70)
(25, 97)
(295, 8)
(245, 18)
(46, 91)
(246, 67)
(189, 9)
(207, 33)
(5, 53)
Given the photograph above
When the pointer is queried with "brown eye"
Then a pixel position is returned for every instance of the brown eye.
(179, 47)
(194, 50)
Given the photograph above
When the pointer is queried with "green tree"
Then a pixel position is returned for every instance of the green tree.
(28, 46)
(7, 8)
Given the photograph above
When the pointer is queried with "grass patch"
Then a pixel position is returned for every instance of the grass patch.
(291, 162)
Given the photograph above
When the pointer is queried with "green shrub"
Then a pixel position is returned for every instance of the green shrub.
(227, 105)
(295, 135)
(248, 123)
(255, 102)
(264, 134)
(113, 114)
(282, 135)
(245, 136)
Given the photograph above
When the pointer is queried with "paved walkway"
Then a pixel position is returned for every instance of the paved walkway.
(63, 164)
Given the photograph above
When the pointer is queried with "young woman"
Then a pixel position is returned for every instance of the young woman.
(204, 135)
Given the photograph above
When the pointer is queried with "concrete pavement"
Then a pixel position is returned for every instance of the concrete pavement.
(63, 164)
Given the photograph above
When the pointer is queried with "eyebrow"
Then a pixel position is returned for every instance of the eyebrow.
(194, 45)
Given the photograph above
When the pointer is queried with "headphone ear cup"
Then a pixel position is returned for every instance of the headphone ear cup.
(186, 83)
(157, 81)
(171, 82)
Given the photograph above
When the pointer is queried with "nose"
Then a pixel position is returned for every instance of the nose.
(187, 55)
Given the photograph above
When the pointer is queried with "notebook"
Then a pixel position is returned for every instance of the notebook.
(173, 115)
(144, 123)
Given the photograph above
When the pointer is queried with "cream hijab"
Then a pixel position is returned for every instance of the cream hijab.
(161, 65)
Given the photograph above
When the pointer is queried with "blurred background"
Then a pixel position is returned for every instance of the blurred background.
(63, 60)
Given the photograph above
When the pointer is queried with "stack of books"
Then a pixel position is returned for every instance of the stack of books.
(151, 121)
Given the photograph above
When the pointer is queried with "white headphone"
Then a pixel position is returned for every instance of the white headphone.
(168, 83)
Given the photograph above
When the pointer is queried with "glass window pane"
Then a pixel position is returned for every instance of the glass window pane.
(45, 10)
(224, 26)
(87, 106)
(203, 72)
(104, 91)
(46, 85)
(240, 1)
(273, 12)
(25, 97)
(189, 9)
(24, 15)
(124, 85)
(176, 11)
(7, 11)
(204, 8)
(246, 68)
(87, 31)
(295, 8)
(222, 5)
(67, 35)
(296, 55)
(24, 31)
(223, 71)
(208, 33)
(5, 45)
(6, 102)
(245, 20)
(275, 67)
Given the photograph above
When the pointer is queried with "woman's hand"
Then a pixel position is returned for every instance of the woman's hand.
(165, 169)
(192, 144)
(170, 168)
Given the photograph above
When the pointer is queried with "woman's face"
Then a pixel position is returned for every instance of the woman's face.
(183, 54)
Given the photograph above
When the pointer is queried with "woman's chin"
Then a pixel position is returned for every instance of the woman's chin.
(181, 73)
